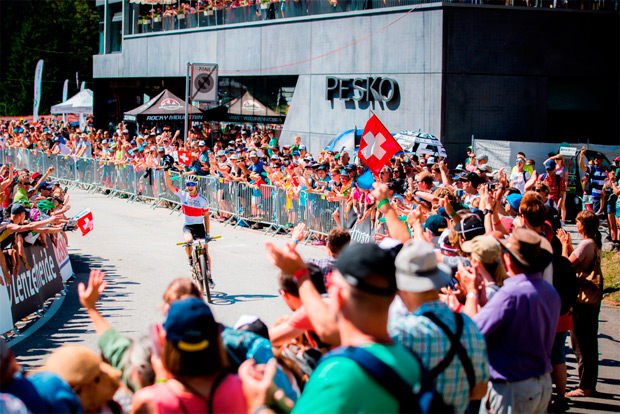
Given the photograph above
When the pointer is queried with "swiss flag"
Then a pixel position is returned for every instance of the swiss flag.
(85, 221)
(377, 145)
(184, 157)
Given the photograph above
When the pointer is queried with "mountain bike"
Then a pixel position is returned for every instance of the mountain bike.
(201, 269)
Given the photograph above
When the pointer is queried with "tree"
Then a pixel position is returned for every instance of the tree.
(63, 33)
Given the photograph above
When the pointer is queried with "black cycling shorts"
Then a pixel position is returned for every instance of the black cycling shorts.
(196, 230)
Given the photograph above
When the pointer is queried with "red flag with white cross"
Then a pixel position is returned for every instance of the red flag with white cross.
(84, 221)
(377, 145)
(184, 157)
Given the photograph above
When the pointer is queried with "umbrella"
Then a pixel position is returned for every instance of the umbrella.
(348, 139)
(420, 143)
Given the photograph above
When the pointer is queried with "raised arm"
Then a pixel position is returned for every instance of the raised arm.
(169, 182)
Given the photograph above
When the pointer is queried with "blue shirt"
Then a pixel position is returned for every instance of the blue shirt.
(257, 168)
(44, 392)
(519, 324)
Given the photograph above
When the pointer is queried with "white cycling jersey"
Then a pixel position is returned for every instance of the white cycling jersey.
(193, 207)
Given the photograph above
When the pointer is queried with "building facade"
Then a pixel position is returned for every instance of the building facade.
(452, 70)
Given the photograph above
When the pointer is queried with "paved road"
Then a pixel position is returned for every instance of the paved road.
(135, 246)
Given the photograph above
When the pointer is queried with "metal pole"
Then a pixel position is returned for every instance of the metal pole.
(186, 101)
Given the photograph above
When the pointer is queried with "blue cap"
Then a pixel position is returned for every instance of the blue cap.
(550, 165)
(343, 172)
(190, 325)
(295, 153)
(514, 200)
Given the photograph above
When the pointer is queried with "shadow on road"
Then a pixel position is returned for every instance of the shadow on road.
(221, 298)
(69, 324)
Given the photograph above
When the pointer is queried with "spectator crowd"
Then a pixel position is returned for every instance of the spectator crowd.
(463, 304)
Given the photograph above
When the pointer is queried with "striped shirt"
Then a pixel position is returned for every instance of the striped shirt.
(419, 334)
(597, 180)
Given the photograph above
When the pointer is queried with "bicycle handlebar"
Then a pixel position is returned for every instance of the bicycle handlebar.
(199, 241)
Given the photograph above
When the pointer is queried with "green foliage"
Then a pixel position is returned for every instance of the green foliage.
(64, 33)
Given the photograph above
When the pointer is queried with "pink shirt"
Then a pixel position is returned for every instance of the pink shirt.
(228, 398)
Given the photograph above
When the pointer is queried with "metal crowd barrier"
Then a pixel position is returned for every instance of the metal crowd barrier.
(236, 203)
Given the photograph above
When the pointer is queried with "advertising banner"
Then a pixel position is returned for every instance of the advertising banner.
(65, 90)
(62, 258)
(38, 74)
(29, 290)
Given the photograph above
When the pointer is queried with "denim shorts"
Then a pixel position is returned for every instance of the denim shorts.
(558, 351)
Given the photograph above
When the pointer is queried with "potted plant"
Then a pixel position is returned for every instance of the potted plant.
(181, 14)
(209, 11)
(157, 18)
(264, 4)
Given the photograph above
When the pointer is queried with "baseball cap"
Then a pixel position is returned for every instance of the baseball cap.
(45, 186)
(368, 268)
(485, 248)
(202, 144)
(617, 159)
(417, 269)
(550, 165)
(161, 149)
(36, 176)
(430, 161)
(472, 177)
(295, 153)
(221, 153)
(253, 154)
(470, 227)
(514, 200)
(482, 157)
(436, 224)
(18, 208)
(344, 172)
(190, 325)
(302, 147)
(485, 168)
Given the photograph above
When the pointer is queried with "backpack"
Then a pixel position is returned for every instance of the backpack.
(426, 399)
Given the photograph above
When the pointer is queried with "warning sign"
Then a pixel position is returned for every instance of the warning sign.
(203, 82)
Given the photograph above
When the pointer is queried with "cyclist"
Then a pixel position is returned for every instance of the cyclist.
(195, 209)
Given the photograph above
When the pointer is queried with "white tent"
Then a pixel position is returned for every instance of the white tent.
(82, 103)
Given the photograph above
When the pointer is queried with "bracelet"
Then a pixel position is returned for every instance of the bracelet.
(497, 224)
(296, 241)
(458, 308)
(161, 381)
(382, 203)
(452, 214)
(301, 273)
(261, 408)
(471, 295)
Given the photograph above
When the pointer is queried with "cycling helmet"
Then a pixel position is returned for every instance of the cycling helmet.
(45, 206)
(35, 214)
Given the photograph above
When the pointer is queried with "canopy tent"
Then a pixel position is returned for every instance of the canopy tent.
(165, 107)
(249, 109)
(420, 143)
(82, 103)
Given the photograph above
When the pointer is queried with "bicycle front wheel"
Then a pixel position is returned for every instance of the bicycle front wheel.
(204, 272)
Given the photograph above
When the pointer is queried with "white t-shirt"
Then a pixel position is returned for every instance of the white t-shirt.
(518, 180)
(193, 207)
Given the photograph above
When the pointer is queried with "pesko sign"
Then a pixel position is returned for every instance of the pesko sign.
(367, 89)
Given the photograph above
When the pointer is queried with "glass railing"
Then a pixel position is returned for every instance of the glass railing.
(272, 10)
(150, 20)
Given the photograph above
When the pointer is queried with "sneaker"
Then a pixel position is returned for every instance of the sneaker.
(211, 283)
(318, 243)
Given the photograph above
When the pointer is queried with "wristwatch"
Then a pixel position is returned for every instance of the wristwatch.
(487, 211)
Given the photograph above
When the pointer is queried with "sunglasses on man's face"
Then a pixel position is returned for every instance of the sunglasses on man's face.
(191, 184)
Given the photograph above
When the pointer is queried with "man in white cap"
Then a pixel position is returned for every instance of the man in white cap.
(449, 345)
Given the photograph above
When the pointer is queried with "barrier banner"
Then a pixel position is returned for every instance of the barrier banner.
(62, 258)
(31, 288)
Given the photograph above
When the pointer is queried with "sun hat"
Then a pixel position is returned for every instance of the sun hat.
(417, 269)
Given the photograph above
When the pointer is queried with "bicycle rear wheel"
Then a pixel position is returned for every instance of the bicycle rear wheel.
(196, 272)
(204, 272)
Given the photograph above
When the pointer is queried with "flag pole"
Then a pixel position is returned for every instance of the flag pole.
(401, 147)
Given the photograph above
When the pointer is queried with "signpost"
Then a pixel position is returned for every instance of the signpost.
(200, 86)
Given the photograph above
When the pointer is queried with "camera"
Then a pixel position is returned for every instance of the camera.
(70, 225)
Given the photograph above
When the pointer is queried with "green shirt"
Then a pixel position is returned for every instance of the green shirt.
(114, 346)
(340, 385)
(272, 143)
(526, 167)
(21, 196)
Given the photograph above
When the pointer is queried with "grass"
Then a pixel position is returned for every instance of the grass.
(610, 266)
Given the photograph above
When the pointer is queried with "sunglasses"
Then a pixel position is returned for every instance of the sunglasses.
(519, 161)
(191, 184)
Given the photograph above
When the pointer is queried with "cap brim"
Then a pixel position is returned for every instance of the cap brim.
(435, 281)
